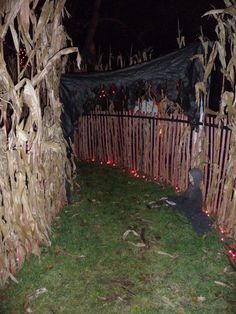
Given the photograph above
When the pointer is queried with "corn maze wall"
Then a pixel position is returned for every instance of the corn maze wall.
(33, 158)
(164, 149)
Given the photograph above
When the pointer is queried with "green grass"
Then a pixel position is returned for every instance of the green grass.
(90, 268)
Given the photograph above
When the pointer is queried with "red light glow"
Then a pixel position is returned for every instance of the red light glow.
(206, 211)
(177, 189)
(232, 254)
(222, 230)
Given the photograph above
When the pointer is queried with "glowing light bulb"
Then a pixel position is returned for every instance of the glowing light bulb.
(177, 189)
(222, 230)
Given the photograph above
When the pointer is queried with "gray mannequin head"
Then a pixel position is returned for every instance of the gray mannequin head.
(195, 176)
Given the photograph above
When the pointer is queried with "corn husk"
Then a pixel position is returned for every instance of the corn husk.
(33, 159)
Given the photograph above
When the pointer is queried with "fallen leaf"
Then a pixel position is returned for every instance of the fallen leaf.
(198, 300)
(137, 244)
(109, 298)
(201, 299)
(153, 205)
(167, 301)
(166, 254)
(30, 297)
(223, 284)
(37, 293)
(76, 214)
(127, 232)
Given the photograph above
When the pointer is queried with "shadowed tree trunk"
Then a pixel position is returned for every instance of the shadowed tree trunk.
(89, 49)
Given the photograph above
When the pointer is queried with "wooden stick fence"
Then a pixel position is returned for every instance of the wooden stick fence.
(164, 149)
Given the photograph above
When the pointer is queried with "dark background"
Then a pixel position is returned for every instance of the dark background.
(123, 23)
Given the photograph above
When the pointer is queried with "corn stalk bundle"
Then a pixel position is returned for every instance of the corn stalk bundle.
(225, 49)
(33, 159)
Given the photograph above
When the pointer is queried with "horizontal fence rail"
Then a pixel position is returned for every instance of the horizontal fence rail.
(165, 149)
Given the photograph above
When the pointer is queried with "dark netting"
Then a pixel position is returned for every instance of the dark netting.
(174, 75)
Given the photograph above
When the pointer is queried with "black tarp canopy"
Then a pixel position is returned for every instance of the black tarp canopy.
(80, 91)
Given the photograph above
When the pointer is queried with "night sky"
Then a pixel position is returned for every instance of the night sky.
(142, 24)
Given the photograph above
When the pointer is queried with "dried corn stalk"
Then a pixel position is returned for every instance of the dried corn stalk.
(33, 159)
(225, 48)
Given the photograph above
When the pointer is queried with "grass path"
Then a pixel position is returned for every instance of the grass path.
(90, 268)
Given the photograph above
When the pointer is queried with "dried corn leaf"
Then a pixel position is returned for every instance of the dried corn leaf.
(200, 57)
(221, 54)
(24, 16)
(13, 10)
(228, 3)
(15, 37)
(44, 17)
(31, 99)
(220, 31)
(78, 60)
(127, 232)
(200, 88)
(231, 10)
(35, 3)
(36, 80)
(214, 12)
(210, 64)
(22, 136)
(230, 71)
(228, 99)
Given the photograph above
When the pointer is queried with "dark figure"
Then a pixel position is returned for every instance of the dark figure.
(190, 203)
